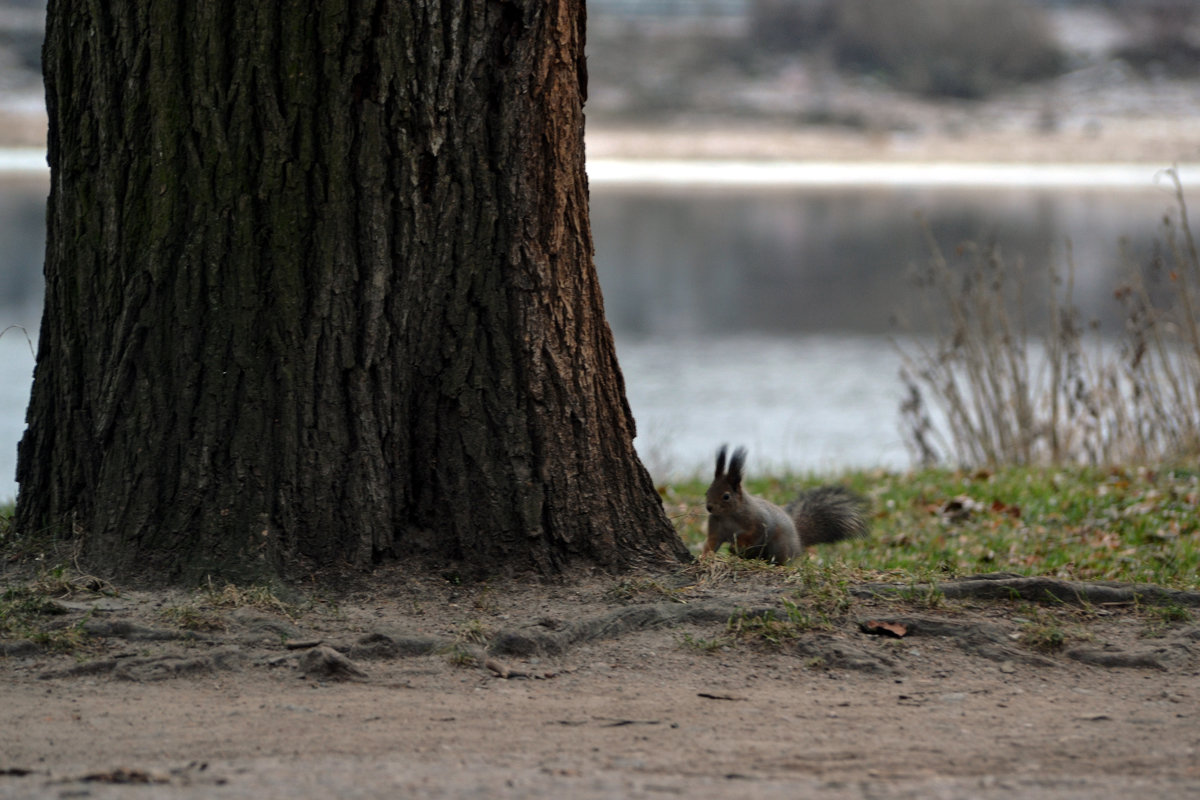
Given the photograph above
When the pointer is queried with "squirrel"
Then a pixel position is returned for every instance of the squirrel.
(757, 528)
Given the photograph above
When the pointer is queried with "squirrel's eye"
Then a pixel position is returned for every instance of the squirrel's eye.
(725, 496)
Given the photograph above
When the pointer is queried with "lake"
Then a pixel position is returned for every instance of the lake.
(752, 303)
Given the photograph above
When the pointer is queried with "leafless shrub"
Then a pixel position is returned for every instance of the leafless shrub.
(1006, 396)
(789, 24)
(956, 48)
(1164, 36)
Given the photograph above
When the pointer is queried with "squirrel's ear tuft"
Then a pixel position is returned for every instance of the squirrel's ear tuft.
(720, 462)
(735, 466)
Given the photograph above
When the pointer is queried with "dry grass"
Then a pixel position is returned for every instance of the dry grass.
(1006, 395)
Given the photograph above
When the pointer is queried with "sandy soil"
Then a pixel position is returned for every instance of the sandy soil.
(442, 694)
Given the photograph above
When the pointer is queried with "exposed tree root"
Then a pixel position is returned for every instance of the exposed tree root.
(544, 641)
(1007, 586)
(831, 643)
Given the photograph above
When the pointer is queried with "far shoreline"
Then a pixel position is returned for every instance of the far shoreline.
(993, 133)
(1158, 143)
(1162, 143)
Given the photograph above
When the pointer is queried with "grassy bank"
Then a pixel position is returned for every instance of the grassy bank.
(1135, 525)
(1079, 523)
(929, 526)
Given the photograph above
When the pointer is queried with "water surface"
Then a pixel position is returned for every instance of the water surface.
(752, 302)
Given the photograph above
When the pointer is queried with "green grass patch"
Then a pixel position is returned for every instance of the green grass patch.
(7, 510)
(256, 596)
(1137, 525)
(29, 611)
(205, 610)
(642, 588)
(1161, 619)
(1041, 629)
(778, 628)
(193, 616)
(702, 644)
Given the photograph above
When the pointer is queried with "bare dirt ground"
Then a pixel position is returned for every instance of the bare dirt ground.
(605, 687)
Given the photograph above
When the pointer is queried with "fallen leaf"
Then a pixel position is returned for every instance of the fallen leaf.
(896, 630)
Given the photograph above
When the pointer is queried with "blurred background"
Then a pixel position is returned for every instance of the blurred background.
(768, 178)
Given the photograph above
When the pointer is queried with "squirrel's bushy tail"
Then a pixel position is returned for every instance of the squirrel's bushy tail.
(829, 514)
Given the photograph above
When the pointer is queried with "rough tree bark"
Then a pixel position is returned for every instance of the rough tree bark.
(320, 290)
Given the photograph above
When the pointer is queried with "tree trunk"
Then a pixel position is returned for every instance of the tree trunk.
(320, 291)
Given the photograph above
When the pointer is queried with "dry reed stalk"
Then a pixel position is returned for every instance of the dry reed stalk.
(1004, 400)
